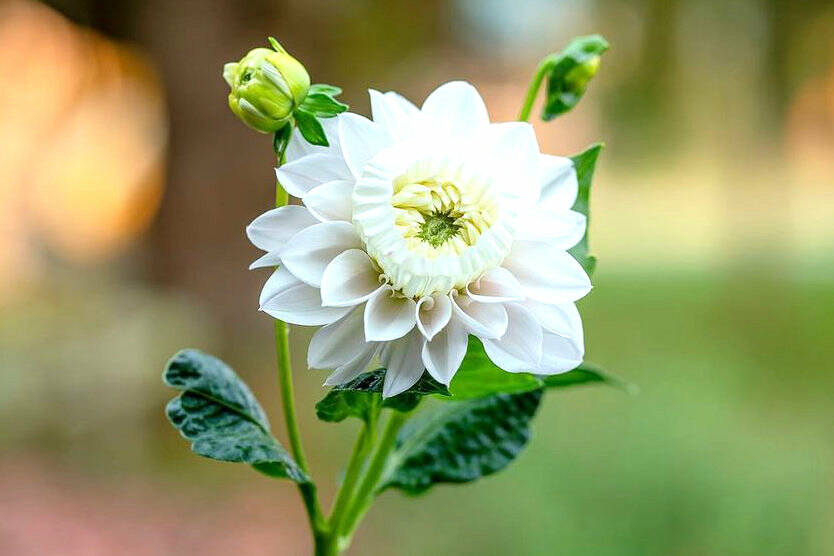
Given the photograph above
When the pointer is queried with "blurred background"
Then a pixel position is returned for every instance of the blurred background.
(126, 184)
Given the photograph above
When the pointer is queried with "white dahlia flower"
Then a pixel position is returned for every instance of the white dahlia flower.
(419, 228)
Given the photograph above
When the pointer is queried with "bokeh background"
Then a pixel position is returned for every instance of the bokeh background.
(125, 186)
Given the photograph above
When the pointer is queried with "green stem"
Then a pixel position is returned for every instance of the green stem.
(533, 90)
(376, 467)
(354, 469)
(282, 347)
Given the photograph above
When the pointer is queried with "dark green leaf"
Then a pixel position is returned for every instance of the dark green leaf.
(310, 128)
(356, 398)
(281, 139)
(478, 376)
(219, 415)
(322, 105)
(569, 73)
(331, 90)
(462, 441)
(585, 164)
(339, 404)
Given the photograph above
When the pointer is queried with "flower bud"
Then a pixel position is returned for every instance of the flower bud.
(578, 77)
(267, 85)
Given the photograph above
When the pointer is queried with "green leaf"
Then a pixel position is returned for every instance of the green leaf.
(462, 441)
(569, 73)
(219, 415)
(585, 164)
(587, 373)
(281, 139)
(310, 128)
(331, 90)
(322, 105)
(478, 376)
(357, 397)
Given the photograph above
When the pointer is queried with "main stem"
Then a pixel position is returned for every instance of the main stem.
(282, 347)
(533, 89)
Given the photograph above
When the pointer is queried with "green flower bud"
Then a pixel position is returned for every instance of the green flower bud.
(578, 77)
(267, 86)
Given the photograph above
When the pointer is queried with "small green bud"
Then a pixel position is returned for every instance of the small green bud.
(579, 76)
(266, 87)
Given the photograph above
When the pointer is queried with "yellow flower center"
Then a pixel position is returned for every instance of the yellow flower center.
(441, 215)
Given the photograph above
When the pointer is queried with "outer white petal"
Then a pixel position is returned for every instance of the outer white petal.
(547, 273)
(403, 363)
(485, 320)
(354, 367)
(301, 176)
(559, 355)
(388, 317)
(433, 313)
(562, 229)
(522, 342)
(270, 259)
(288, 299)
(308, 252)
(394, 113)
(455, 109)
(271, 230)
(443, 355)
(299, 147)
(495, 286)
(562, 319)
(557, 178)
(336, 344)
(361, 140)
(349, 279)
(331, 200)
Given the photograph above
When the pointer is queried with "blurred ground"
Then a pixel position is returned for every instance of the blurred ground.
(125, 185)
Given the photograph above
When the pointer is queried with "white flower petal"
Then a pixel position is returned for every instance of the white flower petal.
(522, 341)
(301, 176)
(388, 317)
(278, 282)
(495, 286)
(299, 147)
(485, 320)
(562, 229)
(354, 367)
(558, 183)
(433, 313)
(271, 230)
(547, 273)
(270, 259)
(308, 252)
(286, 298)
(349, 279)
(443, 355)
(331, 200)
(394, 113)
(509, 152)
(559, 355)
(562, 319)
(337, 344)
(361, 140)
(403, 363)
(455, 109)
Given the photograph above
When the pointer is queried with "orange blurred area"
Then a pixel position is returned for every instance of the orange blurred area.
(126, 185)
(84, 136)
